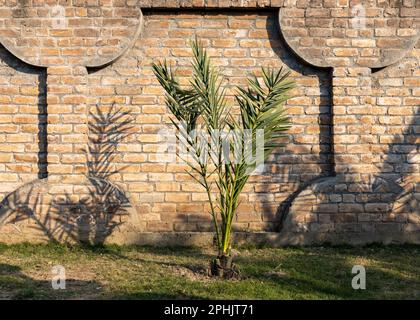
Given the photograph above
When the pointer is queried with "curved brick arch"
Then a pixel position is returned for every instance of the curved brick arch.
(371, 34)
(49, 33)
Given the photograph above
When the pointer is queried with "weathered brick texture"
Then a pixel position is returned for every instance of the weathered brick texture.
(239, 44)
(343, 33)
(86, 142)
(67, 123)
(46, 33)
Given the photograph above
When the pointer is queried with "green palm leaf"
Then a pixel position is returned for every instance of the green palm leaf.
(262, 116)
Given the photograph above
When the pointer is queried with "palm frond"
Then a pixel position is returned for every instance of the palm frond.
(262, 117)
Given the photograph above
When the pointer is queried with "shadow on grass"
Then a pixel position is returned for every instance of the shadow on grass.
(14, 284)
(327, 272)
(303, 273)
(161, 273)
(161, 256)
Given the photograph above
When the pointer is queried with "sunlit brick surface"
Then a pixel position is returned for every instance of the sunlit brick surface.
(349, 171)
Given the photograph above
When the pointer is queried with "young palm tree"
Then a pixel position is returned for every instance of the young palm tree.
(225, 160)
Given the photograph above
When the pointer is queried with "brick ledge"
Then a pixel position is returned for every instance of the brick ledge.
(269, 239)
(210, 3)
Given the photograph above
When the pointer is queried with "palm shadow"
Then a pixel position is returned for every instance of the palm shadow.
(90, 217)
(396, 184)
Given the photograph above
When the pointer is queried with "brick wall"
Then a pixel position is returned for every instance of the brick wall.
(23, 123)
(349, 172)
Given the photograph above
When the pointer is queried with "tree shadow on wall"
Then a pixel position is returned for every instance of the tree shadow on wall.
(90, 214)
(397, 184)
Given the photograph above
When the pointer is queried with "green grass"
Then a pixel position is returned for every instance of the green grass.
(114, 272)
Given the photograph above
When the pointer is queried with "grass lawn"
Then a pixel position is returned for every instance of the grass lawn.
(114, 272)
